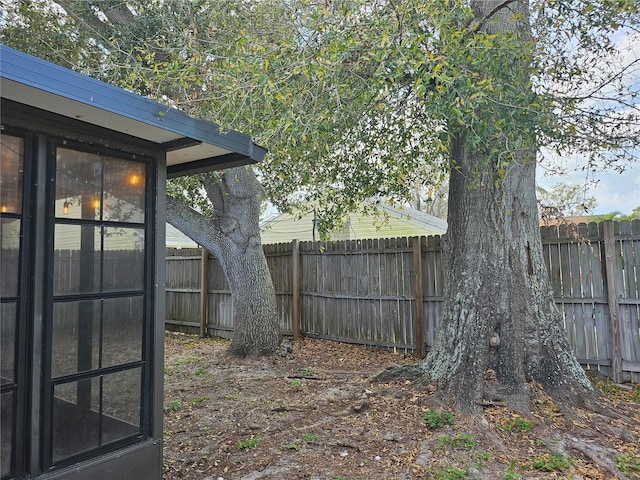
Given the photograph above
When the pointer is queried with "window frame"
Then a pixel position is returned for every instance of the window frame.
(22, 369)
(145, 364)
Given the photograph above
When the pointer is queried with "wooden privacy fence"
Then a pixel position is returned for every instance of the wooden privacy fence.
(388, 292)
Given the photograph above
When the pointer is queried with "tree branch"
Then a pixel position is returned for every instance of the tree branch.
(194, 225)
(477, 24)
(91, 22)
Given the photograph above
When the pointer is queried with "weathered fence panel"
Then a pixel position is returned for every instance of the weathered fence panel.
(281, 268)
(182, 285)
(627, 239)
(364, 291)
(358, 290)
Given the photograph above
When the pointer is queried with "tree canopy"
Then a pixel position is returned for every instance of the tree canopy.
(359, 99)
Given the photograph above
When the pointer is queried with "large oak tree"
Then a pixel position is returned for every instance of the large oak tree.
(154, 48)
(499, 81)
(500, 329)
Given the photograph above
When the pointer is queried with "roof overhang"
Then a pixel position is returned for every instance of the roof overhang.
(193, 145)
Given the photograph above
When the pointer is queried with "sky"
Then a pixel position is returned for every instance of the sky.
(613, 191)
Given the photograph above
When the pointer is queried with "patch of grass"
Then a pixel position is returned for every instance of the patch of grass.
(199, 400)
(172, 406)
(459, 441)
(483, 456)
(449, 473)
(511, 473)
(310, 437)
(438, 418)
(629, 464)
(296, 384)
(517, 424)
(634, 394)
(551, 463)
(307, 372)
(200, 371)
(612, 390)
(292, 446)
(233, 396)
(248, 443)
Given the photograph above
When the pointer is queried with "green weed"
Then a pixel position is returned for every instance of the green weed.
(634, 394)
(517, 424)
(233, 396)
(307, 372)
(449, 473)
(199, 400)
(172, 406)
(438, 418)
(292, 446)
(608, 387)
(200, 371)
(511, 473)
(459, 441)
(551, 463)
(310, 437)
(483, 456)
(296, 384)
(629, 464)
(248, 443)
(611, 389)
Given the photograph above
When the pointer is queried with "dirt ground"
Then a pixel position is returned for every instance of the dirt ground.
(315, 413)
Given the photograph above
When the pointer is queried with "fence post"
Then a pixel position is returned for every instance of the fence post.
(418, 296)
(612, 296)
(295, 287)
(204, 287)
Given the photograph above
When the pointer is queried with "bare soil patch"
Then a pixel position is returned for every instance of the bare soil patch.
(315, 413)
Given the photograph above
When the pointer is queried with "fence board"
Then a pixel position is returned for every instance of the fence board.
(362, 291)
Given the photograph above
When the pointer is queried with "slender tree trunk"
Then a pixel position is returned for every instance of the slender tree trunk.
(256, 325)
(233, 236)
(500, 328)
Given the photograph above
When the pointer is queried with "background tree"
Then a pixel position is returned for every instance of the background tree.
(618, 216)
(565, 200)
(431, 199)
(262, 68)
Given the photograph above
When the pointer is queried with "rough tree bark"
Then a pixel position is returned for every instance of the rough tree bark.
(233, 236)
(500, 328)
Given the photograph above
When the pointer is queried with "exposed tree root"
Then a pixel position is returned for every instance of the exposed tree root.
(491, 439)
(412, 371)
(600, 455)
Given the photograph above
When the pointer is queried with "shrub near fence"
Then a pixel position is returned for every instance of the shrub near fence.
(388, 292)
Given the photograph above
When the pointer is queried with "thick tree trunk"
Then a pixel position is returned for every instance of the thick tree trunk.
(233, 236)
(500, 329)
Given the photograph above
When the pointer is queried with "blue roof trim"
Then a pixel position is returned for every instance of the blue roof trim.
(54, 79)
